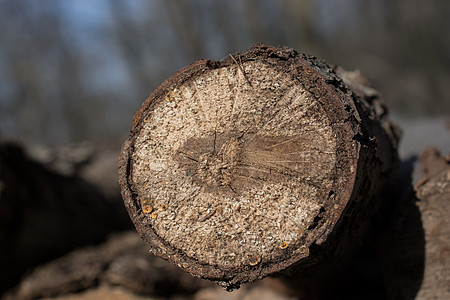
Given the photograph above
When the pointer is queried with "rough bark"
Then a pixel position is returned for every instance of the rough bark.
(433, 192)
(416, 245)
(266, 160)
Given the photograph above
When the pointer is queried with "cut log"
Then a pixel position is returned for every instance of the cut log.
(241, 168)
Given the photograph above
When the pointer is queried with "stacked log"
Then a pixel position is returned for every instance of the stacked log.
(267, 160)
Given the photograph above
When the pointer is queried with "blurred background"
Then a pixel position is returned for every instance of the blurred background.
(74, 72)
(77, 70)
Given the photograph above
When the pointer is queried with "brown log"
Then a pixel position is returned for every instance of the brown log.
(415, 250)
(433, 192)
(44, 214)
(268, 159)
(121, 261)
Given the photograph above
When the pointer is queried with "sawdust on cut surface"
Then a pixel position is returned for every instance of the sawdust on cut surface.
(235, 167)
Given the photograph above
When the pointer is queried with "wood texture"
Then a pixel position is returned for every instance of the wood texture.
(433, 192)
(241, 168)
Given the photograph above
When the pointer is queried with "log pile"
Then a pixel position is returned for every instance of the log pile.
(269, 162)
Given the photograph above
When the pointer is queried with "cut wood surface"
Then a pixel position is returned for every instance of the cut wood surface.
(238, 169)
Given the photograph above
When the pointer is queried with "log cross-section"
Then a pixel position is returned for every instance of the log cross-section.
(234, 169)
